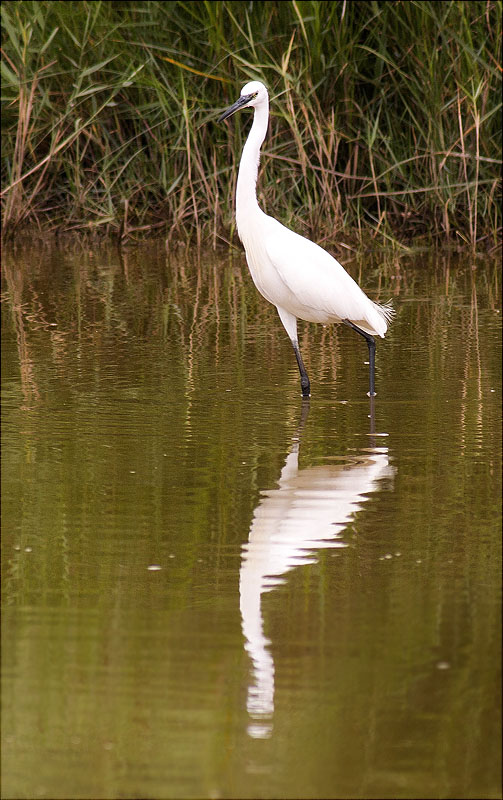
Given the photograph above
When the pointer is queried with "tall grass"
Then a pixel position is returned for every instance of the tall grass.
(385, 117)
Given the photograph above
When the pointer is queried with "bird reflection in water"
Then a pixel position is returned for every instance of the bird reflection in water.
(309, 510)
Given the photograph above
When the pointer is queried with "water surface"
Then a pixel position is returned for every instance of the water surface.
(212, 589)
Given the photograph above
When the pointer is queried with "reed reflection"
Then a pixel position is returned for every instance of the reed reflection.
(309, 510)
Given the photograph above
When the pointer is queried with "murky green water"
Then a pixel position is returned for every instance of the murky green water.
(212, 590)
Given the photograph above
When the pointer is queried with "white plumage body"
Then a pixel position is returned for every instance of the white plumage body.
(301, 278)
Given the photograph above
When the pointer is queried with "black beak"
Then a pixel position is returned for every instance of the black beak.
(243, 100)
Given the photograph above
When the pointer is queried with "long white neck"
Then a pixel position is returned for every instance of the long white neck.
(246, 191)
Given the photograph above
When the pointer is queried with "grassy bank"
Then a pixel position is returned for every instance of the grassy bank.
(385, 120)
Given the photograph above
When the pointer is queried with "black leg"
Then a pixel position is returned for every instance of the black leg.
(372, 417)
(372, 354)
(304, 379)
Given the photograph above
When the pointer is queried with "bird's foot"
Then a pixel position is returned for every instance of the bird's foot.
(306, 388)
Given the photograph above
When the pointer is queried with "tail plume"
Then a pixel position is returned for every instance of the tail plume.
(386, 310)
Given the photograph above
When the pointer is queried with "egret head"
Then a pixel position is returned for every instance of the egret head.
(253, 94)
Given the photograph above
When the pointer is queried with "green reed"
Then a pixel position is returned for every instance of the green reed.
(385, 121)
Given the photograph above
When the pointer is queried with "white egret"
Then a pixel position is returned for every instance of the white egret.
(296, 275)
